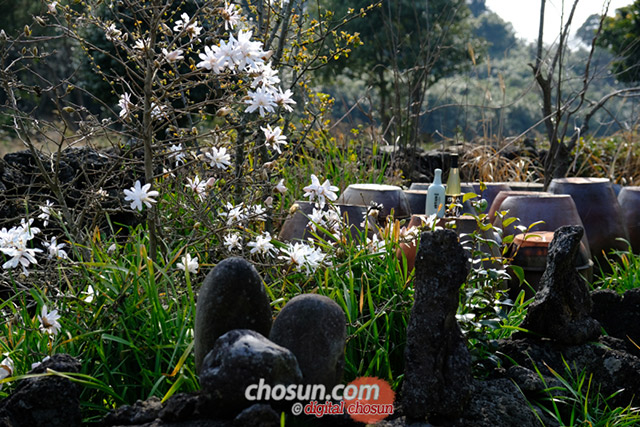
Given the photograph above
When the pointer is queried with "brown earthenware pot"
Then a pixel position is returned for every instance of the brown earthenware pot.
(555, 210)
(629, 199)
(496, 205)
(530, 252)
(599, 210)
(390, 197)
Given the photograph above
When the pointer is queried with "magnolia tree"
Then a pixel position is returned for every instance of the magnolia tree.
(204, 119)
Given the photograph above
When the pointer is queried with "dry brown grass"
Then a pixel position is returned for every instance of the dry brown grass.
(485, 163)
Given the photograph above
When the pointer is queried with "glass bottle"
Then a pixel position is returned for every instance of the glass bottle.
(453, 193)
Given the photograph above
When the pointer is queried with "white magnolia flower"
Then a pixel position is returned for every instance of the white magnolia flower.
(52, 7)
(227, 54)
(262, 245)
(302, 256)
(281, 188)
(249, 52)
(262, 100)
(46, 212)
(176, 152)
(320, 192)
(112, 33)
(268, 77)
(139, 194)
(13, 243)
(283, 99)
(158, 111)
(274, 137)
(125, 104)
(142, 44)
(49, 321)
(257, 213)
(316, 219)
(174, 55)
(55, 249)
(90, 294)
(199, 187)
(233, 241)
(234, 214)
(185, 24)
(210, 60)
(7, 368)
(230, 15)
(189, 263)
(218, 157)
(20, 256)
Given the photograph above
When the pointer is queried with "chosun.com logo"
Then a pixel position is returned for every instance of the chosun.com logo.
(365, 399)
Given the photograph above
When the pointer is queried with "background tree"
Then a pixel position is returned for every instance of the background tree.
(621, 35)
(407, 47)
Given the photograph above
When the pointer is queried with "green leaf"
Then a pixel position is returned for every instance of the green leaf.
(508, 221)
(469, 196)
(519, 272)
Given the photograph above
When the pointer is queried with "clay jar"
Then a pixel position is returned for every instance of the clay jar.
(496, 205)
(390, 197)
(629, 199)
(417, 200)
(599, 210)
(555, 210)
(530, 252)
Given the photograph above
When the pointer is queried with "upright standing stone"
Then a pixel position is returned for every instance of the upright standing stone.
(437, 362)
(562, 307)
(232, 297)
(314, 328)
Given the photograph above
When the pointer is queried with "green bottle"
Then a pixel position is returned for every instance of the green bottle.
(453, 193)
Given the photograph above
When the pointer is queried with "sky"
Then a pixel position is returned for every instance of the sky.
(524, 15)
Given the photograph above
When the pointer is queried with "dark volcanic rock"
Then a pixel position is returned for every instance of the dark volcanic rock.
(619, 315)
(232, 297)
(562, 306)
(437, 362)
(258, 415)
(241, 358)
(50, 401)
(139, 413)
(613, 370)
(498, 403)
(314, 328)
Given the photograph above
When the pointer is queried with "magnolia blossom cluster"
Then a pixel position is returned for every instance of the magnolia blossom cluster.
(238, 54)
(13, 243)
(241, 54)
(239, 214)
(303, 256)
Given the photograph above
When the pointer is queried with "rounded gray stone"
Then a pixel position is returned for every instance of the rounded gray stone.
(232, 297)
(314, 328)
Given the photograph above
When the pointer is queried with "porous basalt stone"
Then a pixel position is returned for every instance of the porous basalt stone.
(50, 401)
(562, 307)
(241, 358)
(314, 328)
(437, 381)
(258, 415)
(232, 297)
